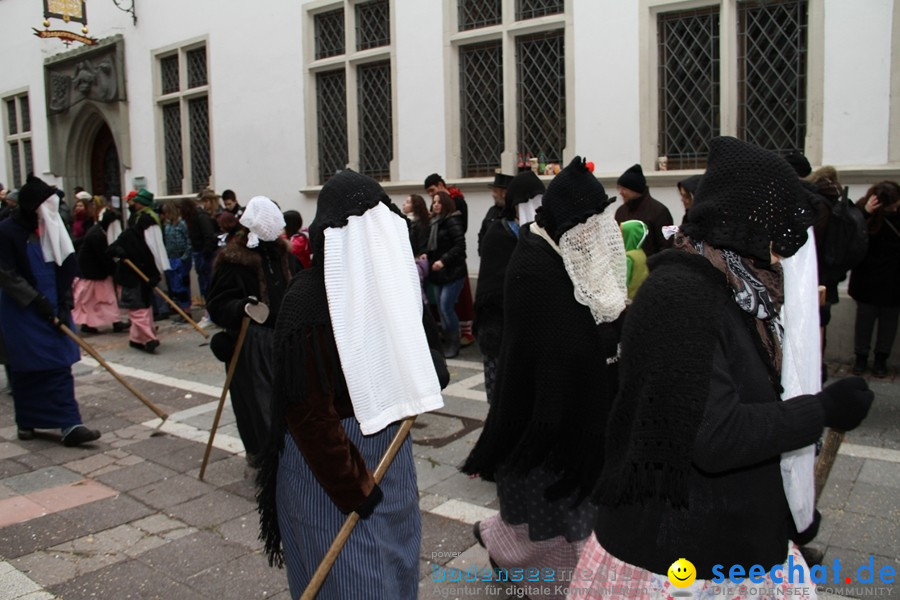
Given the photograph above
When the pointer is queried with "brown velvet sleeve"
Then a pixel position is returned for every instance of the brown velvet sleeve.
(316, 429)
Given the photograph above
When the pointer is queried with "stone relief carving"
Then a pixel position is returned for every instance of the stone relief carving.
(92, 78)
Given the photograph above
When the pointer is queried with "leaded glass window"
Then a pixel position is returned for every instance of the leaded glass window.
(172, 147)
(373, 24)
(479, 13)
(331, 104)
(481, 100)
(530, 9)
(689, 71)
(168, 67)
(329, 33)
(376, 138)
(18, 139)
(772, 73)
(196, 67)
(198, 117)
(541, 94)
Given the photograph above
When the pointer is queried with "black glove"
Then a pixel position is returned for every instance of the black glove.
(368, 505)
(117, 252)
(846, 403)
(45, 309)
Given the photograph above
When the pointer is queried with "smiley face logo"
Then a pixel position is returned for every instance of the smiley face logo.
(682, 573)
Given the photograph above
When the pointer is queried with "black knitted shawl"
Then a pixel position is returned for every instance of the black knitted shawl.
(497, 247)
(554, 384)
(668, 340)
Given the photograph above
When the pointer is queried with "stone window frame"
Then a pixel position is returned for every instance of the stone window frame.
(348, 62)
(508, 31)
(183, 96)
(21, 137)
(728, 81)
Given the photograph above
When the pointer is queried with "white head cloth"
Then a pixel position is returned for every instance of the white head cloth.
(264, 220)
(801, 371)
(375, 304)
(525, 210)
(55, 241)
(154, 239)
(594, 256)
(114, 230)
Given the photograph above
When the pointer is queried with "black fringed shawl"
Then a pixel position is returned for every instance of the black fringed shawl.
(554, 384)
(668, 340)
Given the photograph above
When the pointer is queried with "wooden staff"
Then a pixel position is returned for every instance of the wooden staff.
(232, 365)
(318, 578)
(826, 458)
(165, 297)
(90, 350)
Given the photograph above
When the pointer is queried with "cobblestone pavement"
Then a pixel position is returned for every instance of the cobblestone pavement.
(127, 517)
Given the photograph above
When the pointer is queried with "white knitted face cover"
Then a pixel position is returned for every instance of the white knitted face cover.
(264, 220)
(56, 244)
(594, 256)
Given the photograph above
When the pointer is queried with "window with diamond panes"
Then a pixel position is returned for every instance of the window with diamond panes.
(373, 24)
(689, 71)
(331, 105)
(329, 33)
(772, 74)
(18, 139)
(198, 117)
(376, 138)
(531, 9)
(168, 67)
(481, 101)
(541, 95)
(196, 67)
(172, 147)
(479, 13)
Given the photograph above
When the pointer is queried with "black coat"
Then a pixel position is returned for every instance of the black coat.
(202, 231)
(94, 262)
(451, 250)
(498, 245)
(131, 245)
(876, 280)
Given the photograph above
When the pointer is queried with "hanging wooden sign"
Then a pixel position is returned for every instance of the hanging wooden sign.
(66, 37)
(67, 10)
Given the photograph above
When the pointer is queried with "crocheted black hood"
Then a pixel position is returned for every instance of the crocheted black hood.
(749, 200)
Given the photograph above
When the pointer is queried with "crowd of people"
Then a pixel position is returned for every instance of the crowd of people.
(646, 392)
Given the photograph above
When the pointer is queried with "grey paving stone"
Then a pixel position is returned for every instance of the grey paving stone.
(222, 472)
(141, 474)
(846, 467)
(850, 562)
(876, 534)
(35, 461)
(41, 479)
(452, 454)
(10, 468)
(444, 539)
(192, 554)
(876, 500)
(158, 445)
(107, 513)
(462, 487)
(431, 472)
(188, 458)
(211, 509)
(170, 491)
(835, 493)
(463, 407)
(242, 530)
(60, 454)
(130, 579)
(246, 487)
(24, 538)
(248, 576)
(879, 472)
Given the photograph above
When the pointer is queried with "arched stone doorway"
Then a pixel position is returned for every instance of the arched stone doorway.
(106, 171)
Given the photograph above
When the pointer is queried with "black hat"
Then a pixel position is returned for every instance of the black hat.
(799, 163)
(433, 179)
(633, 179)
(572, 198)
(344, 195)
(748, 199)
(109, 217)
(523, 187)
(33, 194)
(500, 181)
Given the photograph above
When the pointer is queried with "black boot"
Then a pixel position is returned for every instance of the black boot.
(451, 344)
(879, 367)
(859, 367)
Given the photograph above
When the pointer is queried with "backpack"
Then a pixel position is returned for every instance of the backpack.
(846, 241)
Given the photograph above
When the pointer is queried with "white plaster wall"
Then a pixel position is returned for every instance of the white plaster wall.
(421, 92)
(857, 81)
(607, 90)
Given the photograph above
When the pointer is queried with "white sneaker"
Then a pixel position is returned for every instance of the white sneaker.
(205, 323)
